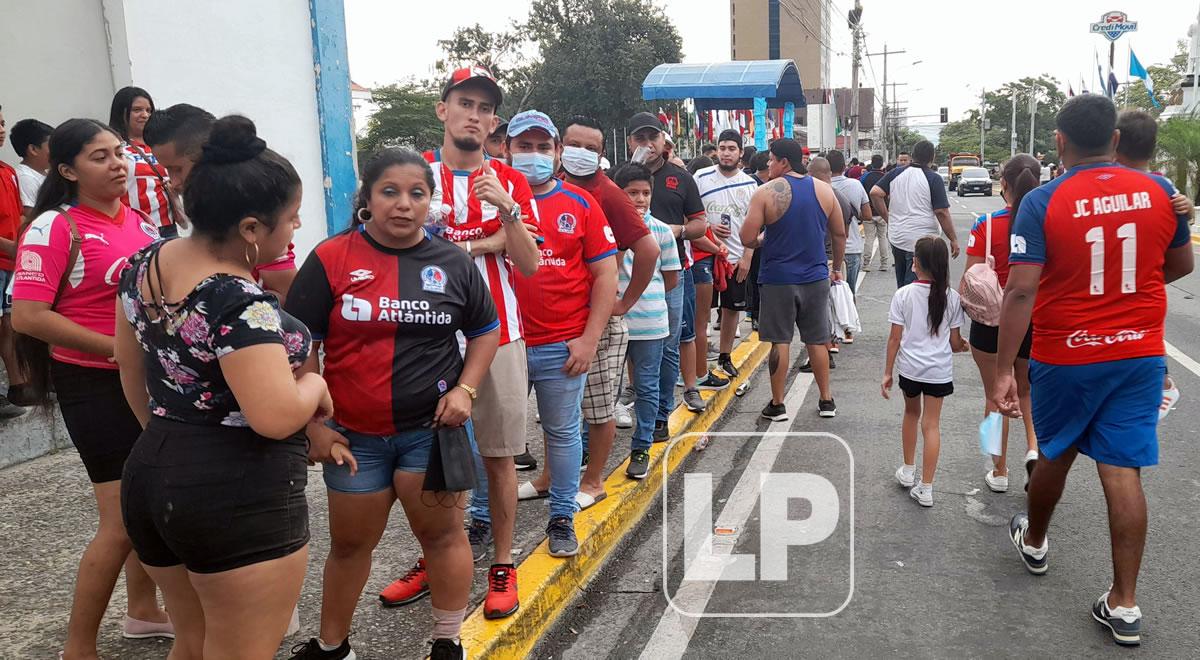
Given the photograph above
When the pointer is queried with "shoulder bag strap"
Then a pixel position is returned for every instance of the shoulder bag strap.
(72, 256)
(988, 250)
(172, 211)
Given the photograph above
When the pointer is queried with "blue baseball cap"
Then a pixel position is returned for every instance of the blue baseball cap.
(531, 119)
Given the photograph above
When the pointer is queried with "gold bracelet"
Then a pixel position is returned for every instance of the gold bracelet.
(471, 391)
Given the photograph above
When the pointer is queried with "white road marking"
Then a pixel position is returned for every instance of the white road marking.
(674, 631)
(862, 275)
(1179, 356)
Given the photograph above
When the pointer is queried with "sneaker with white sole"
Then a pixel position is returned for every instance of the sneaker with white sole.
(693, 401)
(1031, 458)
(997, 484)
(906, 478)
(1170, 397)
(624, 416)
(923, 494)
(776, 412)
(712, 382)
(1033, 558)
(1125, 623)
(627, 396)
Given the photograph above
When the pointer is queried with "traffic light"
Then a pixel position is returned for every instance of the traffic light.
(945, 115)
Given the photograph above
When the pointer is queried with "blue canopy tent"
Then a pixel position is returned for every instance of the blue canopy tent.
(759, 84)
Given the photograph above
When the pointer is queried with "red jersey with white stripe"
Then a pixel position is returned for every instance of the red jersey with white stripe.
(461, 217)
(146, 193)
(1100, 233)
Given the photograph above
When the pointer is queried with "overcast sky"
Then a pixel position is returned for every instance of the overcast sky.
(961, 45)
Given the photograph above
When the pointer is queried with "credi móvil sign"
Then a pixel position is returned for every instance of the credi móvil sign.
(1114, 24)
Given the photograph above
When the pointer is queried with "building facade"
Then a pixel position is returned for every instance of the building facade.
(796, 30)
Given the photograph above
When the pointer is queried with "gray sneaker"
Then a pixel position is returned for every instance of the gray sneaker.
(1125, 623)
(627, 396)
(639, 464)
(8, 409)
(713, 351)
(561, 533)
(693, 401)
(480, 535)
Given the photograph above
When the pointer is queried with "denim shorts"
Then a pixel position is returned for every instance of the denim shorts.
(702, 271)
(380, 457)
(687, 332)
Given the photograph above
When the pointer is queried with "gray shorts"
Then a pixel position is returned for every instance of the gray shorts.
(802, 306)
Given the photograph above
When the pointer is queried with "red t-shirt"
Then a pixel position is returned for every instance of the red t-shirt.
(10, 210)
(1001, 221)
(554, 302)
(625, 221)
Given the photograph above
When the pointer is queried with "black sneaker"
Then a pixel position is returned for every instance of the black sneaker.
(754, 324)
(661, 434)
(447, 649)
(1016, 533)
(694, 402)
(776, 412)
(639, 464)
(561, 532)
(480, 535)
(525, 462)
(807, 366)
(725, 363)
(311, 650)
(1125, 623)
(826, 408)
(712, 381)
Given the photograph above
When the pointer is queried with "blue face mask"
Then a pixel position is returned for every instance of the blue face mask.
(537, 168)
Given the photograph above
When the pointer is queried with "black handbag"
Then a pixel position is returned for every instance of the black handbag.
(451, 461)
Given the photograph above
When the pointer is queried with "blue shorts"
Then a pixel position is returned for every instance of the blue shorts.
(1108, 410)
(380, 457)
(702, 271)
(687, 329)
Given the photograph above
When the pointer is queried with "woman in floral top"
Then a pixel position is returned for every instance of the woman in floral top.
(213, 491)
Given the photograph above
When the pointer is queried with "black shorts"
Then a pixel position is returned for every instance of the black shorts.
(986, 338)
(913, 389)
(734, 297)
(214, 498)
(97, 416)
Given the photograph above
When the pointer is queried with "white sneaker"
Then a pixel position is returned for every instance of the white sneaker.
(624, 417)
(923, 494)
(995, 483)
(294, 624)
(905, 477)
(1169, 398)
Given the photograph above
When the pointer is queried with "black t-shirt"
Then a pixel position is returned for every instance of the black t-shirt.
(675, 199)
(388, 319)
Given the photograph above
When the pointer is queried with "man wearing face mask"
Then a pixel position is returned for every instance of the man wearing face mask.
(583, 146)
(676, 202)
(565, 311)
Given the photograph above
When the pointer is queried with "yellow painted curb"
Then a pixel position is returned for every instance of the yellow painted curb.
(1196, 239)
(548, 584)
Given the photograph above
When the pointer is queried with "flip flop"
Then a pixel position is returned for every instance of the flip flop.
(527, 491)
(586, 501)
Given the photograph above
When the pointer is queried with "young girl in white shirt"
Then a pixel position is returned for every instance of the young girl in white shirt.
(926, 317)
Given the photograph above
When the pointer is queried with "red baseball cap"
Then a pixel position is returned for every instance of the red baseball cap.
(805, 151)
(473, 75)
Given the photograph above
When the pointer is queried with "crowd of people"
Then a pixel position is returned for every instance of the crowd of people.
(155, 295)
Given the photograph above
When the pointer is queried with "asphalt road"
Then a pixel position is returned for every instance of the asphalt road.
(941, 582)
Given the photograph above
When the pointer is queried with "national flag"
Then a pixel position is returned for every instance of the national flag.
(1099, 71)
(1070, 90)
(1138, 71)
(1112, 84)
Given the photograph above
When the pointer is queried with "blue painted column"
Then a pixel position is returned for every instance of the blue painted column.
(332, 69)
(789, 119)
(760, 124)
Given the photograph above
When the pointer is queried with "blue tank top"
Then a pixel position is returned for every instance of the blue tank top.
(793, 251)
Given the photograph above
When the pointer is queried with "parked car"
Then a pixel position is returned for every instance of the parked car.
(974, 180)
(944, 172)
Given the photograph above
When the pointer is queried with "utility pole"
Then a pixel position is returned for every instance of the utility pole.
(982, 122)
(1032, 116)
(1012, 141)
(854, 18)
(884, 123)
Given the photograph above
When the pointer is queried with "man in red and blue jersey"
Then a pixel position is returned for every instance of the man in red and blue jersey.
(1094, 248)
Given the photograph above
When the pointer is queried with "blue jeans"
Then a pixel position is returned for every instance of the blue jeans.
(560, 401)
(646, 357)
(669, 367)
(853, 265)
(687, 282)
(903, 261)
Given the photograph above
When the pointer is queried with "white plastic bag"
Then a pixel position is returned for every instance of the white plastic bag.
(845, 313)
(990, 432)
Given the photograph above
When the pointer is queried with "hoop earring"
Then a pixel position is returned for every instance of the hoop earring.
(359, 215)
(251, 263)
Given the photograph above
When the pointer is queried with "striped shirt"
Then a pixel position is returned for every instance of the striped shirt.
(145, 190)
(647, 319)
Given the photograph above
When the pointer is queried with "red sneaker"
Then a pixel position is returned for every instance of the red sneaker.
(409, 589)
(501, 598)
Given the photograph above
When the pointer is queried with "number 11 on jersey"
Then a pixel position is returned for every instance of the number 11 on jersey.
(1127, 234)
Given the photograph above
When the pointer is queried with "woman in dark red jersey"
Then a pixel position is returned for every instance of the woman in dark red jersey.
(68, 304)
(387, 299)
(1018, 176)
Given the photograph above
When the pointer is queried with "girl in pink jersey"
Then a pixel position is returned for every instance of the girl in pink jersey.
(70, 304)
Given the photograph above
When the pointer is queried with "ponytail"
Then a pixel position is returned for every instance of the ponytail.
(1022, 173)
(933, 257)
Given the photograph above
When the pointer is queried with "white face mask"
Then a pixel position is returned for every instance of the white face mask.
(578, 161)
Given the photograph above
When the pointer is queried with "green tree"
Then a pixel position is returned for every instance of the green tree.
(958, 136)
(1166, 79)
(594, 55)
(505, 54)
(1179, 140)
(906, 138)
(405, 118)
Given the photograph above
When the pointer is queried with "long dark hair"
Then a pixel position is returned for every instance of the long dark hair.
(376, 166)
(1022, 173)
(933, 257)
(66, 143)
(118, 113)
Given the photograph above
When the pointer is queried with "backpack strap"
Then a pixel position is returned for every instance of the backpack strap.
(72, 256)
(988, 249)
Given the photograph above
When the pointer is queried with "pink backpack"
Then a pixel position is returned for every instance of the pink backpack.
(980, 290)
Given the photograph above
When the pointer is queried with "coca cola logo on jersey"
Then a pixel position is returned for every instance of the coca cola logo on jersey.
(1083, 338)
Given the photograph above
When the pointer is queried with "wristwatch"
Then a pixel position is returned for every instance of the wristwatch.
(471, 391)
(512, 215)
